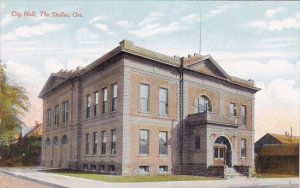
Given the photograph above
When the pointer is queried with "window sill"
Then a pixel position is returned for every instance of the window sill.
(163, 155)
(164, 172)
(164, 116)
(144, 112)
(113, 155)
(103, 155)
(143, 173)
(143, 155)
(243, 158)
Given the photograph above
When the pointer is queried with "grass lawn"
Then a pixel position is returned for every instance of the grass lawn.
(119, 179)
(274, 176)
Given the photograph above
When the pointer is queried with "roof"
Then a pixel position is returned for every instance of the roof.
(284, 139)
(279, 150)
(36, 130)
(129, 48)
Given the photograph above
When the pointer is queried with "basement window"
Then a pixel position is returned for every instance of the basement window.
(143, 169)
(163, 169)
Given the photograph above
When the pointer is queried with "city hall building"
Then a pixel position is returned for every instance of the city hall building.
(134, 111)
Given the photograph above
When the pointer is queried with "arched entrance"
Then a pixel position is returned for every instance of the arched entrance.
(222, 152)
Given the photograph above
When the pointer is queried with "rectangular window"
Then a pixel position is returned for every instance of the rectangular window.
(113, 142)
(104, 101)
(243, 115)
(87, 144)
(111, 168)
(163, 101)
(114, 97)
(144, 98)
(221, 153)
(243, 148)
(163, 143)
(144, 142)
(96, 103)
(163, 169)
(143, 169)
(66, 112)
(49, 117)
(102, 168)
(216, 152)
(233, 109)
(93, 167)
(56, 115)
(103, 143)
(95, 143)
(88, 106)
(85, 167)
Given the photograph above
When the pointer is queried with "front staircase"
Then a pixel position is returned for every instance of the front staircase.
(233, 173)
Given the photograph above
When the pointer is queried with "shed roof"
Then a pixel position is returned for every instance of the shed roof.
(284, 139)
(279, 150)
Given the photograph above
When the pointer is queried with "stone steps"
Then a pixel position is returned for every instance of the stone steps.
(232, 173)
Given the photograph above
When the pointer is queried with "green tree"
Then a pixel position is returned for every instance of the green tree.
(13, 102)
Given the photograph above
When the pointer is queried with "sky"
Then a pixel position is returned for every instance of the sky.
(256, 40)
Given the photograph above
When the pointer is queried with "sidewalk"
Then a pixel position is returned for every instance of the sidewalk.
(55, 180)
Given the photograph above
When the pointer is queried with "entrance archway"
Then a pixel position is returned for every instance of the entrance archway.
(222, 152)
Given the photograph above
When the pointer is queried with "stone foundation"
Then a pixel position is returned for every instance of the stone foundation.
(242, 169)
(96, 167)
(197, 169)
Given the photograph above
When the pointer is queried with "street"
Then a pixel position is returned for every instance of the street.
(36, 178)
(8, 181)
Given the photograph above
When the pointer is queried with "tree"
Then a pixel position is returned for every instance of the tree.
(13, 102)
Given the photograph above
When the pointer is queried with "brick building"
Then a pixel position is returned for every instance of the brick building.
(135, 112)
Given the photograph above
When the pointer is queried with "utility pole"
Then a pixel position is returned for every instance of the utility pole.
(200, 35)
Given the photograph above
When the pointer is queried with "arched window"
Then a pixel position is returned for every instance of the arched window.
(47, 142)
(55, 141)
(197, 142)
(64, 140)
(203, 104)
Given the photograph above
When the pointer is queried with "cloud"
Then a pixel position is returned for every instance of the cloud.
(253, 55)
(22, 71)
(156, 28)
(84, 36)
(53, 66)
(103, 27)
(191, 18)
(277, 107)
(278, 42)
(97, 19)
(75, 62)
(271, 12)
(124, 24)
(219, 10)
(151, 26)
(30, 31)
(153, 16)
(276, 25)
(261, 70)
(7, 19)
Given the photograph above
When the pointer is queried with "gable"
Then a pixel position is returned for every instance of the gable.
(206, 65)
(51, 83)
